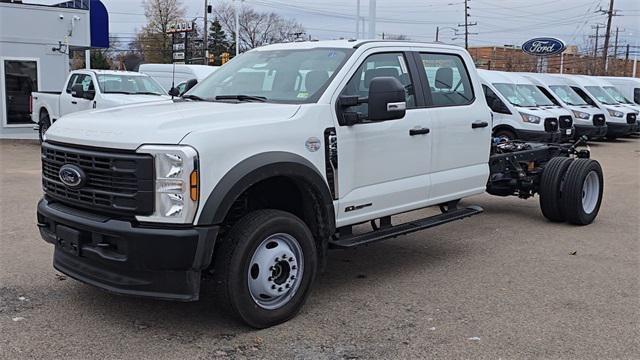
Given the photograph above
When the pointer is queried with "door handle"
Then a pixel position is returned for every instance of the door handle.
(74, 102)
(479, 124)
(418, 131)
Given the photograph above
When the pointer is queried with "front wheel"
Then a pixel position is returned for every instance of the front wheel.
(265, 266)
(44, 124)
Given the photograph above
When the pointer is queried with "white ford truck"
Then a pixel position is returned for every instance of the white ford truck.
(258, 170)
(93, 89)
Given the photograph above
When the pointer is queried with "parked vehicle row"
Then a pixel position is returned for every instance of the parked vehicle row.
(259, 169)
(526, 105)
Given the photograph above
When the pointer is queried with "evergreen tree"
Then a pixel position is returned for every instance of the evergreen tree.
(218, 42)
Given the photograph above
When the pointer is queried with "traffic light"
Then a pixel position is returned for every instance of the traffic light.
(224, 57)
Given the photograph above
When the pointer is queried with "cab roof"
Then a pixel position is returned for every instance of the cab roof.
(114, 72)
(353, 44)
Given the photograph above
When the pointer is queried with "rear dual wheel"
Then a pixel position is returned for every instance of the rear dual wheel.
(571, 190)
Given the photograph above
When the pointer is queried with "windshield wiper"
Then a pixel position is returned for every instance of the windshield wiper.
(193, 97)
(241, 98)
(146, 93)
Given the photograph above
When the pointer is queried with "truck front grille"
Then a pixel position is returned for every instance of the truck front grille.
(631, 118)
(566, 122)
(550, 124)
(115, 182)
(599, 120)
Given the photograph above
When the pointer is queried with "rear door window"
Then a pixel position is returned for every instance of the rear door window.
(448, 79)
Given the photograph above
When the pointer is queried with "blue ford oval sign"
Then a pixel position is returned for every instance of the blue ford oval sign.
(544, 46)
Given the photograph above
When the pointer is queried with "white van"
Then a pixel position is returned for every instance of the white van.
(628, 86)
(520, 109)
(621, 120)
(617, 95)
(588, 120)
(164, 73)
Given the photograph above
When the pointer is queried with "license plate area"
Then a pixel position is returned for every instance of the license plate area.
(70, 240)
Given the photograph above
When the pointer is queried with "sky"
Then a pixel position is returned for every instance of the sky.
(499, 22)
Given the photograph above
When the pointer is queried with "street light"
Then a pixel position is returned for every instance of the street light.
(445, 28)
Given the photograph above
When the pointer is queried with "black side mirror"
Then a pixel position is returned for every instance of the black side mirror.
(90, 94)
(77, 91)
(174, 91)
(190, 83)
(387, 99)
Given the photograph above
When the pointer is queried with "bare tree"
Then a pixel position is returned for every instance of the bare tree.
(152, 40)
(257, 28)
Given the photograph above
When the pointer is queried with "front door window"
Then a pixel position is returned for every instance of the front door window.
(21, 79)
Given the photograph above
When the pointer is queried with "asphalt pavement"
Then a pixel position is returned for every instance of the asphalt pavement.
(505, 284)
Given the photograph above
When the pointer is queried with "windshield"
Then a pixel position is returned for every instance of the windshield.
(616, 95)
(521, 95)
(128, 84)
(567, 95)
(601, 95)
(284, 76)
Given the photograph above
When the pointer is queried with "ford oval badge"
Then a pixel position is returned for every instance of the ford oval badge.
(544, 46)
(71, 176)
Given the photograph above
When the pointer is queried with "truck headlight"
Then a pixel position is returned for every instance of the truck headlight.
(176, 183)
(528, 118)
(581, 115)
(615, 113)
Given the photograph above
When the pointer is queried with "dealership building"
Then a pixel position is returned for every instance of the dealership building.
(35, 41)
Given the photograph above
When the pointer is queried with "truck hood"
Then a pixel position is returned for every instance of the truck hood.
(128, 127)
(125, 99)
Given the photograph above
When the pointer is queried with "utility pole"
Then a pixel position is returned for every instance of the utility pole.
(358, 20)
(467, 24)
(437, 32)
(626, 60)
(205, 30)
(607, 34)
(372, 19)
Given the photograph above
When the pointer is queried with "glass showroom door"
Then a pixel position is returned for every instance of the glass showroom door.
(21, 78)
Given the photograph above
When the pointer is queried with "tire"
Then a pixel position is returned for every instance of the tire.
(505, 133)
(582, 191)
(44, 123)
(240, 267)
(550, 188)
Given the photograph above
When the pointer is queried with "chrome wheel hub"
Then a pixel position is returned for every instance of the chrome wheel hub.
(590, 192)
(274, 272)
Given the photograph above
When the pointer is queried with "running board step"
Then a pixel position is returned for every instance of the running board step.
(406, 228)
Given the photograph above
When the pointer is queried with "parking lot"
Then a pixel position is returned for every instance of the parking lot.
(505, 284)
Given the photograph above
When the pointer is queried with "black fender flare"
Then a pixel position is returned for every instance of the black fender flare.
(259, 167)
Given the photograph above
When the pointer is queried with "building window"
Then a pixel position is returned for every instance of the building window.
(21, 79)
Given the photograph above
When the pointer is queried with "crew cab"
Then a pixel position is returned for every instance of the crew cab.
(254, 173)
(588, 120)
(93, 89)
(521, 111)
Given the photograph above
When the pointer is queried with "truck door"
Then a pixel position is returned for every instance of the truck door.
(69, 103)
(461, 133)
(383, 166)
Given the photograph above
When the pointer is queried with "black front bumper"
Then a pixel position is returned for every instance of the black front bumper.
(591, 131)
(539, 136)
(618, 129)
(126, 258)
